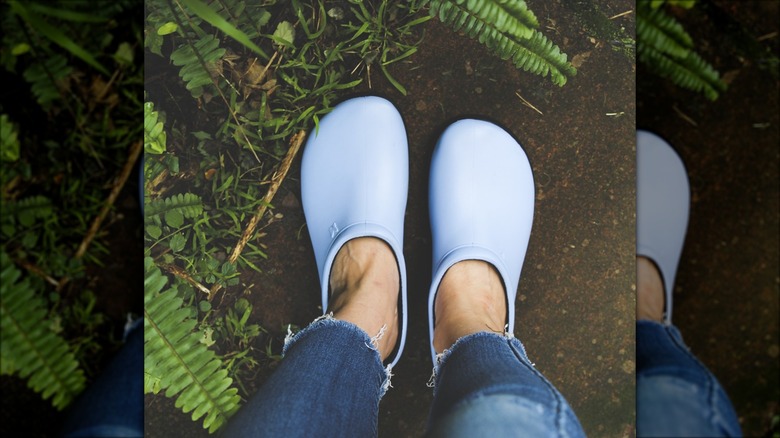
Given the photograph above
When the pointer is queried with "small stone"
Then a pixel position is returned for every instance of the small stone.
(290, 201)
(478, 90)
(773, 351)
(629, 367)
(421, 105)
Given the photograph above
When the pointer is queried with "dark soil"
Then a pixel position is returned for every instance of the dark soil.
(726, 294)
(576, 298)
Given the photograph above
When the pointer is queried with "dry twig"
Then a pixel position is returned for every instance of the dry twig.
(39, 272)
(135, 152)
(528, 104)
(620, 14)
(684, 116)
(181, 273)
(276, 180)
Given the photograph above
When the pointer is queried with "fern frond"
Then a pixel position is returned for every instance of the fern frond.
(508, 29)
(194, 73)
(29, 347)
(188, 205)
(662, 32)
(665, 47)
(154, 134)
(9, 139)
(176, 361)
(692, 72)
(45, 87)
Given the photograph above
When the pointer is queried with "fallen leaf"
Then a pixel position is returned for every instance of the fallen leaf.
(580, 58)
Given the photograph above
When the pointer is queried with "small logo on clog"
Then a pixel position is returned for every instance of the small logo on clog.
(334, 229)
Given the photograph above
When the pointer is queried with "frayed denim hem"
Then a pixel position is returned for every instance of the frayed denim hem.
(328, 320)
(442, 357)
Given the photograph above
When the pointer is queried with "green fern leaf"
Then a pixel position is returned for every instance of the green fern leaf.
(188, 205)
(508, 28)
(154, 134)
(29, 347)
(46, 87)
(194, 73)
(692, 72)
(665, 47)
(176, 361)
(662, 32)
(9, 139)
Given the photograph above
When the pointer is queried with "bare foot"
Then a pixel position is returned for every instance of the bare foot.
(470, 299)
(650, 294)
(364, 284)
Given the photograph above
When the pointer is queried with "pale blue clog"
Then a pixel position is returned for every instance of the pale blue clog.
(481, 196)
(354, 183)
(663, 202)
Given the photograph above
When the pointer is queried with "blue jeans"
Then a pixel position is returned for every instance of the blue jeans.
(113, 405)
(676, 395)
(332, 379)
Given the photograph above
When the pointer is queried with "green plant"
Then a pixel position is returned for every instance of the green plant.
(154, 132)
(65, 137)
(379, 36)
(667, 49)
(176, 361)
(198, 62)
(509, 29)
(29, 347)
(9, 140)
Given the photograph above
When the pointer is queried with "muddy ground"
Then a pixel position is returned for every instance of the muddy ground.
(726, 294)
(575, 307)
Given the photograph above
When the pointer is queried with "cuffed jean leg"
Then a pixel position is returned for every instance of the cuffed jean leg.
(677, 396)
(486, 386)
(328, 384)
(113, 406)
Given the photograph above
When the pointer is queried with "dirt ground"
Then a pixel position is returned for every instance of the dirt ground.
(726, 294)
(575, 306)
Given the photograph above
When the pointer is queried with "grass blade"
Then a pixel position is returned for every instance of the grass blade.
(203, 11)
(56, 36)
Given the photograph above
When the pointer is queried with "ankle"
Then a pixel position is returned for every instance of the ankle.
(470, 299)
(650, 297)
(364, 287)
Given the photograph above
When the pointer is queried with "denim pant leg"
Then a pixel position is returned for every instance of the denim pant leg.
(328, 384)
(677, 395)
(486, 386)
(113, 405)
